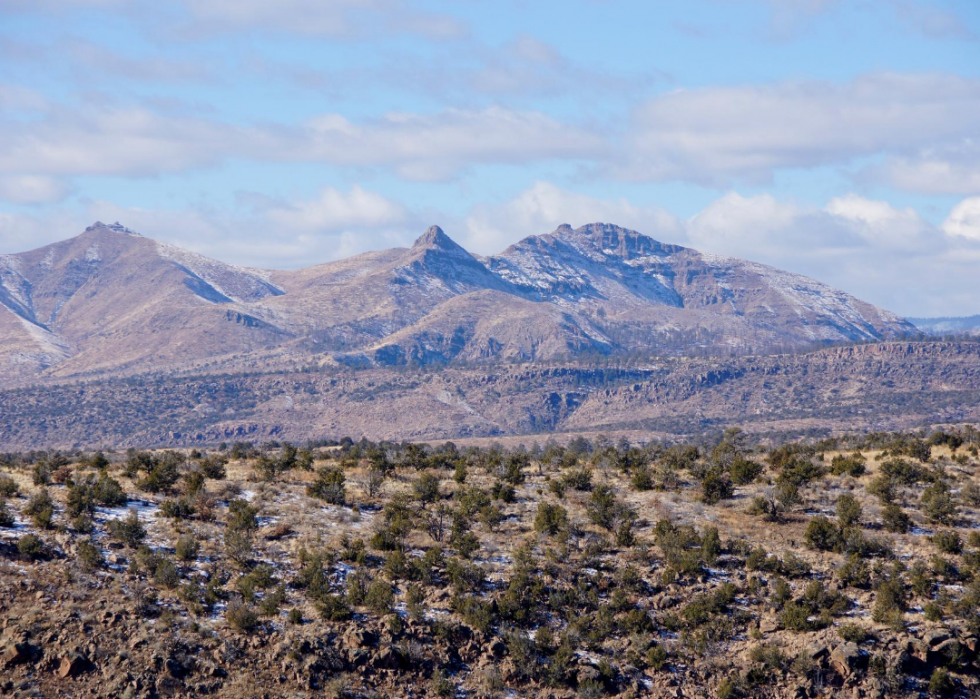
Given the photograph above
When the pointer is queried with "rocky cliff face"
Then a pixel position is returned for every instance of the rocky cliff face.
(111, 301)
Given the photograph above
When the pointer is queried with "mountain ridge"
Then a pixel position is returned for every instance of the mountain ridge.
(110, 301)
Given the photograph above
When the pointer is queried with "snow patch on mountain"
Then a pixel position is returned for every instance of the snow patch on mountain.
(14, 286)
(241, 284)
(92, 254)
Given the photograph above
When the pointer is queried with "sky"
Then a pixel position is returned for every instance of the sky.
(834, 138)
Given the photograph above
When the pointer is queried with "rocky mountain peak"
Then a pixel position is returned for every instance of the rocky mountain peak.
(611, 239)
(436, 238)
(116, 227)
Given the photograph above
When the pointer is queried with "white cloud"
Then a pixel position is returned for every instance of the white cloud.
(105, 140)
(882, 254)
(964, 220)
(434, 146)
(333, 209)
(719, 135)
(137, 142)
(879, 223)
(947, 170)
(32, 189)
(932, 21)
(329, 18)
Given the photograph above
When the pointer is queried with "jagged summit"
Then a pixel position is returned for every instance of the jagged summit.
(114, 227)
(435, 238)
(611, 239)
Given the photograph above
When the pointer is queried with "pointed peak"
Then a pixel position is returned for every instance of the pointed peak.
(434, 237)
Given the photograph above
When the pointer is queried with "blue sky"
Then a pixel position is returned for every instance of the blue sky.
(836, 138)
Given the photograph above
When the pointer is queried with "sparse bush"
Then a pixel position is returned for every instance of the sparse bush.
(895, 519)
(938, 504)
(550, 519)
(379, 597)
(948, 541)
(40, 508)
(187, 548)
(89, 555)
(822, 534)
(129, 531)
(716, 487)
(241, 616)
(848, 510)
(31, 547)
(848, 465)
(8, 487)
(941, 683)
(6, 519)
(743, 471)
(329, 486)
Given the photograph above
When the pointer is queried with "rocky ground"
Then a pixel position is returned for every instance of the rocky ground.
(836, 568)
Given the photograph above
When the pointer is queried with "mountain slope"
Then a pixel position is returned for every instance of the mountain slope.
(111, 301)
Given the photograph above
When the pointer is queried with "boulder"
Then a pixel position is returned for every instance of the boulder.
(388, 658)
(846, 659)
(72, 665)
(15, 653)
(356, 637)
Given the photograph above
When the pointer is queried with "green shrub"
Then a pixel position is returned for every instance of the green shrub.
(241, 616)
(941, 683)
(850, 465)
(165, 573)
(129, 531)
(938, 504)
(426, 488)
(903, 472)
(379, 597)
(177, 508)
(854, 633)
(40, 508)
(8, 487)
(848, 510)
(239, 545)
(795, 617)
(744, 471)
(163, 474)
(890, 603)
(550, 519)
(89, 555)
(716, 487)
(642, 478)
(948, 541)
(242, 516)
(329, 486)
(822, 534)
(187, 547)
(334, 608)
(895, 519)
(31, 547)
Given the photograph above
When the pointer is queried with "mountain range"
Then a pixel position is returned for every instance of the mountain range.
(112, 302)
(967, 325)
